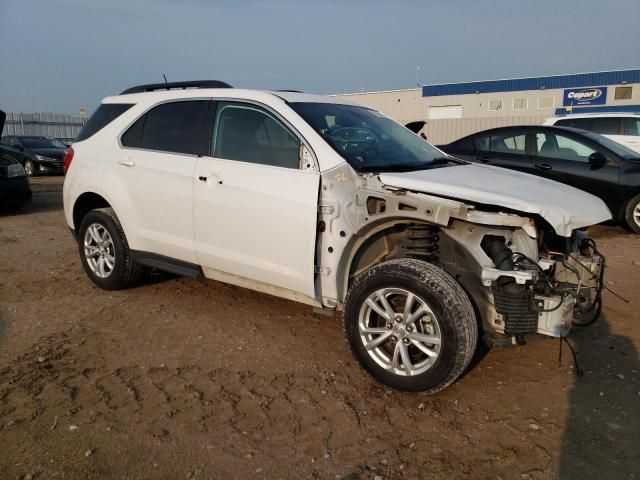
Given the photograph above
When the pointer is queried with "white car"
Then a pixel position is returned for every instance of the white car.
(623, 128)
(337, 206)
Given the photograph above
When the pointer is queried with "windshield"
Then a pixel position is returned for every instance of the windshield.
(42, 142)
(615, 147)
(368, 140)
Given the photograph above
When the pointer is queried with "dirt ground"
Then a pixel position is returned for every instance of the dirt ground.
(187, 379)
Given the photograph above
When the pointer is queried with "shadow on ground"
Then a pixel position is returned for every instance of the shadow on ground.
(604, 408)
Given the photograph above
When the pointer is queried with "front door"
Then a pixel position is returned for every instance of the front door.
(255, 210)
(561, 157)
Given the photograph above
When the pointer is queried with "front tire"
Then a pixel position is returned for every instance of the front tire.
(30, 168)
(104, 251)
(632, 214)
(410, 325)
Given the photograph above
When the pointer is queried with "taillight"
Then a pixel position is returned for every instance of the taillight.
(68, 156)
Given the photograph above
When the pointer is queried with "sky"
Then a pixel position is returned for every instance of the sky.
(64, 55)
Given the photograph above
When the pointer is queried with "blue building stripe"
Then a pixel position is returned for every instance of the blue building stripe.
(613, 77)
(602, 109)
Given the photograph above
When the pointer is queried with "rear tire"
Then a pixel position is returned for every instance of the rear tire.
(436, 336)
(104, 251)
(632, 214)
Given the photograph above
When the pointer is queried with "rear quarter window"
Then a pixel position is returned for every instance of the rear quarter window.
(103, 116)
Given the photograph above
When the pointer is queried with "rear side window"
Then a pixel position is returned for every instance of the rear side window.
(176, 127)
(511, 141)
(602, 125)
(103, 116)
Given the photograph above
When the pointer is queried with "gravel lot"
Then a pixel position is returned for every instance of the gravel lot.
(187, 379)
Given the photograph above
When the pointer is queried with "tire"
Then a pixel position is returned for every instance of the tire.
(450, 317)
(30, 168)
(123, 272)
(632, 214)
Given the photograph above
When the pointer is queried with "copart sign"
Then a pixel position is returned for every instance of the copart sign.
(585, 96)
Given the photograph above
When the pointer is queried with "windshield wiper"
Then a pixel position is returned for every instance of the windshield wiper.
(408, 167)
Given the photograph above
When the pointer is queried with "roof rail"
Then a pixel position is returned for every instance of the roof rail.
(150, 87)
(289, 91)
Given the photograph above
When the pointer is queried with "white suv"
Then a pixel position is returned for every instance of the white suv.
(337, 206)
(623, 128)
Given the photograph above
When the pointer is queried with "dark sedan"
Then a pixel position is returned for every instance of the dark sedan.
(584, 160)
(38, 155)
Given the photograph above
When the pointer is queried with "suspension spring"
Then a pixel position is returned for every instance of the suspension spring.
(422, 242)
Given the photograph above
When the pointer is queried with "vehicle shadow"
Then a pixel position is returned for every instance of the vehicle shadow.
(602, 432)
(45, 199)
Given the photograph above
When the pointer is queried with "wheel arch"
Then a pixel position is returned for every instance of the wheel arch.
(363, 251)
(86, 202)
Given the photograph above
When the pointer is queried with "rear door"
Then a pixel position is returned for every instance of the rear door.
(156, 166)
(504, 148)
(255, 209)
(564, 157)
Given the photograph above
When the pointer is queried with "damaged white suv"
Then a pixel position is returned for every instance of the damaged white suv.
(334, 205)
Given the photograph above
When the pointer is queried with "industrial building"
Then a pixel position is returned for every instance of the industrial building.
(453, 110)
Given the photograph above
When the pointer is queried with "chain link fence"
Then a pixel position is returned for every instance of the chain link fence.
(60, 126)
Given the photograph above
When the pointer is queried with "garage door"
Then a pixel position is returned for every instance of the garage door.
(446, 111)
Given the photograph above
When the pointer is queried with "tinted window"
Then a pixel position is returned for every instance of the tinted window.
(553, 145)
(176, 127)
(464, 144)
(104, 115)
(633, 126)
(42, 142)
(512, 142)
(131, 138)
(603, 125)
(250, 134)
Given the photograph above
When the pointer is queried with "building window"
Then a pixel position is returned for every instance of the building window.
(495, 105)
(623, 93)
(545, 102)
(520, 103)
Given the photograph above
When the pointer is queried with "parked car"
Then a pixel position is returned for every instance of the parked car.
(38, 155)
(623, 128)
(15, 190)
(584, 160)
(337, 206)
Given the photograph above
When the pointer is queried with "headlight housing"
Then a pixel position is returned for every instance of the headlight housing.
(42, 158)
(15, 170)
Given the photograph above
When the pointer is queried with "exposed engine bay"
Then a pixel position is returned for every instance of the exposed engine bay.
(523, 277)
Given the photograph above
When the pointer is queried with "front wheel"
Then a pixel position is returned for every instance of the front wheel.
(29, 168)
(632, 214)
(410, 325)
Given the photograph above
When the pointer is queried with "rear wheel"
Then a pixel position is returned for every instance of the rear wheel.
(104, 251)
(632, 214)
(410, 325)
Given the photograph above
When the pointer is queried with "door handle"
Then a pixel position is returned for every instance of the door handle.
(543, 166)
(127, 162)
(202, 178)
(484, 159)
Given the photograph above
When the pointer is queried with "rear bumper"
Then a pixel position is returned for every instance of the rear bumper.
(14, 191)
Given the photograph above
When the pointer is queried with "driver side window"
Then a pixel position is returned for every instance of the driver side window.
(552, 145)
(247, 133)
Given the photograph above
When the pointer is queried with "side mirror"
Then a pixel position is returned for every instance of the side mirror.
(597, 160)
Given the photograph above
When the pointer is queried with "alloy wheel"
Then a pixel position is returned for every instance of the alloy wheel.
(399, 331)
(99, 250)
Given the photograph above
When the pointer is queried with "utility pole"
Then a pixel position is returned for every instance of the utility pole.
(418, 76)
